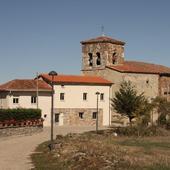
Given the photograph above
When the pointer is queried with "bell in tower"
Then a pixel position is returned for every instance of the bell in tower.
(97, 53)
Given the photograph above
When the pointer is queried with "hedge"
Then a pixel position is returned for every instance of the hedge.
(19, 114)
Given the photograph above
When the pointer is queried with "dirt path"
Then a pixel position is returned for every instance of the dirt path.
(15, 151)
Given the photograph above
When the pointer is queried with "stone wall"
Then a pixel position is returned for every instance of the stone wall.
(20, 131)
(71, 116)
(106, 51)
(147, 83)
(164, 87)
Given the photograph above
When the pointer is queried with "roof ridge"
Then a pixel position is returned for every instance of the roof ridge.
(141, 67)
(75, 75)
(143, 62)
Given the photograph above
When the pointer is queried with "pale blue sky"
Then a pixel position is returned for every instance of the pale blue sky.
(45, 35)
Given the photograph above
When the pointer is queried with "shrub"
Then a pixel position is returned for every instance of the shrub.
(168, 124)
(19, 114)
(144, 131)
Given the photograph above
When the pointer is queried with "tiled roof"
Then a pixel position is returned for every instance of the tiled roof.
(26, 84)
(76, 79)
(141, 67)
(103, 39)
(2, 90)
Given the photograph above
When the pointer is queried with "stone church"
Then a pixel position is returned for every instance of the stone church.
(104, 56)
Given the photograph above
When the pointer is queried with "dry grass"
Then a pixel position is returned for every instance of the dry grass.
(91, 151)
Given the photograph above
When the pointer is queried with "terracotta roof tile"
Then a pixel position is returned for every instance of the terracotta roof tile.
(75, 79)
(141, 67)
(2, 90)
(26, 84)
(103, 39)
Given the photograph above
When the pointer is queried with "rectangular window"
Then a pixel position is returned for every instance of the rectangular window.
(16, 100)
(81, 114)
(101, 96)
(61, 96)
(57, 115)
(33, 99)
(94, 115)
(84, 96)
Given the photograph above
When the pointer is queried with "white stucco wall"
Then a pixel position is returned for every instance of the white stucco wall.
(74, 98)
(25, 102)
(3, 102)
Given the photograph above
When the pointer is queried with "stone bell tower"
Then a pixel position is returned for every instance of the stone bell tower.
(100, 52)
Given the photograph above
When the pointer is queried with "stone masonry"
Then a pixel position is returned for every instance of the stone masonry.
(164, 86)
(107, 51)
(71, 116)
(152, 83)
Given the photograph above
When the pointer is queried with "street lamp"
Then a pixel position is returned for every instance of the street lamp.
(97, 109)
(52, 74)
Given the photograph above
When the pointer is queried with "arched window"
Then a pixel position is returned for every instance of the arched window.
(114, 58)
(90, 59)
(98, 60)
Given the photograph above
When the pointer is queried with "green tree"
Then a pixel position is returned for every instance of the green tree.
(163, 109)
(127, 102)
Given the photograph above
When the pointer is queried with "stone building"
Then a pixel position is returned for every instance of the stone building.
(104, 56)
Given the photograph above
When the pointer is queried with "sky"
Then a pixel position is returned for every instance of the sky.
(44, 35)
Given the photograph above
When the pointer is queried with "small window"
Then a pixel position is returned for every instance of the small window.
(81, 114)
(57, 115)
(16, 100)
(114, 58)
(101, 96)
(84, 96)
(90, 59)
(94, 115)
(61, 96)
(165, 93)
(33, 99)
(98, 61)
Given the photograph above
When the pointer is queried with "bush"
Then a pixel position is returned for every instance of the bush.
(168, 124)
(144, 131)
(19, 114)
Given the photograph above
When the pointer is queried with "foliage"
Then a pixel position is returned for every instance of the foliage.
(19, 114)
(143, 131)
(143, 112)
(163, 109)
(127, 102)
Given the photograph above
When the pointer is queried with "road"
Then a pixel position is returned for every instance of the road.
(15, 151)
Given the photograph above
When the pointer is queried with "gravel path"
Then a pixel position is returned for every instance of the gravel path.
(15, 150)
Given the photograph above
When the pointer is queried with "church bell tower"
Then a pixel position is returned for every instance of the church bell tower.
(97, 53)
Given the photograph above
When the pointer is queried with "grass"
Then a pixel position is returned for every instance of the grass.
(91, 151)
(147, 144)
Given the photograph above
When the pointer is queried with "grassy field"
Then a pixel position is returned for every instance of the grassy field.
(91, 151)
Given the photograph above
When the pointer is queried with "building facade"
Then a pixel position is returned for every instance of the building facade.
(75, 100)
(104, 57)
(23, 94)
